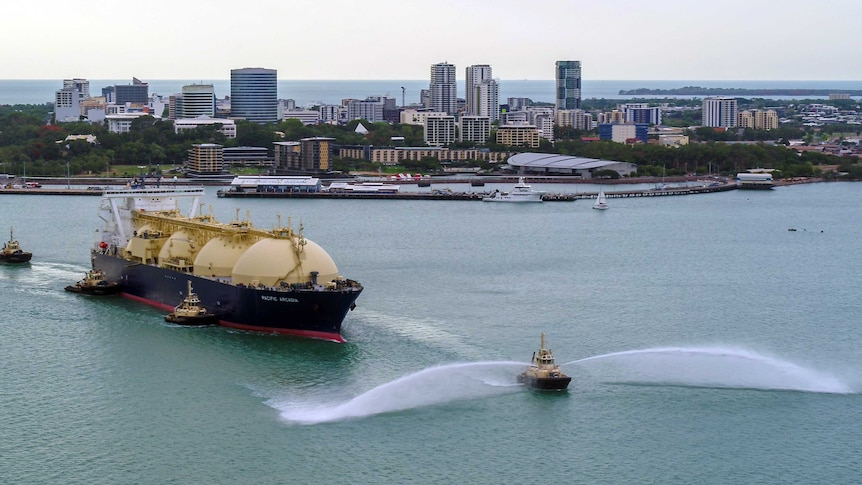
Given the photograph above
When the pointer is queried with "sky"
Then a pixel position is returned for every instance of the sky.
(392, 39)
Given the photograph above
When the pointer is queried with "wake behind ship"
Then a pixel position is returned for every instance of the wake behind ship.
(254, 279)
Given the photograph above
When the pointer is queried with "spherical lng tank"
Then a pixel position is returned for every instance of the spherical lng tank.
(219, 256)
(271, 262)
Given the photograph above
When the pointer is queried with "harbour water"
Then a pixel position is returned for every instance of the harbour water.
(707, 344)
(309, 92)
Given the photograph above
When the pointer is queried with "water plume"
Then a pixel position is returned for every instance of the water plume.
(721, 367)
(432, 386)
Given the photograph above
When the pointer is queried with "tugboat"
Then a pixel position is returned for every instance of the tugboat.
(12, 252)
(544, 374)
(190, 311)
(94, 283)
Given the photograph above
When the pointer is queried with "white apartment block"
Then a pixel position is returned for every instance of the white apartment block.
(719, 112)
(474, 129)
(439, 130)
(67, 105)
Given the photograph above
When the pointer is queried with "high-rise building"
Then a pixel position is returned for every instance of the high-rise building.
(641, 113)
(475, 75)
(136, 93)
(444, 90)
(254, 94)
(719, 112)
(197, 100)
(316, 153)
(568, 76)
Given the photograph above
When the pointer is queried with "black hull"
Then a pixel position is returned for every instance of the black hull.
(545, 383)
(102, 290)
(307, 313)
(16, 258)
(199, 321)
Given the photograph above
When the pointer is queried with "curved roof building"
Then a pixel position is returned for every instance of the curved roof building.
(553, 164)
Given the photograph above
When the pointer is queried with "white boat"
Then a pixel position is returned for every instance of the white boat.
(601, 201)
(522, 192)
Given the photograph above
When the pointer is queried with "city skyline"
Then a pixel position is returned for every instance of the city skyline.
(614, 40)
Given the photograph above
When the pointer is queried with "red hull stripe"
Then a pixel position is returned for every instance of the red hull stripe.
(332, 337)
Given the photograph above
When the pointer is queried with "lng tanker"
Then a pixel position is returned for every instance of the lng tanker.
(253, 279)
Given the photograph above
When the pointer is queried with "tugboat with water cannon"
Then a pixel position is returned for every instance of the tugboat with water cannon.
(12, 252)
(544, 374)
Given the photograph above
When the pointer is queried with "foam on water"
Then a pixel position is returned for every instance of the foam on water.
(435, 385)
(725, 367)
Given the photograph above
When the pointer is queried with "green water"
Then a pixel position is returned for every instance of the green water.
(707, 344)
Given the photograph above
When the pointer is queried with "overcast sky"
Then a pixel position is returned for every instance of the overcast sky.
(391, 39)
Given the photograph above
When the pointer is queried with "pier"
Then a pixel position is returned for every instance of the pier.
(475, 196)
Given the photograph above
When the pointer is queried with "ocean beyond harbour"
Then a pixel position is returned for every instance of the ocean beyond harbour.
(310, 92)
(708, 344)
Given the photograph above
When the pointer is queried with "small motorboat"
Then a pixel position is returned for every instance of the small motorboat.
(544, 374)
(94, 283)
(190, 311)
(12, 252)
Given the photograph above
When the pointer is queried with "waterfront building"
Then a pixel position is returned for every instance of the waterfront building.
(624, 132)
(552, 164)
(206, 159)
(518, 135)
(439, 130)
(568, 82)
(246, 156)
(316, 154)
(719, 112)
(395, 155)
(443, 89)
(474, 129)
(254, 94)
(287, 156)
(224, 126)
(197, 100)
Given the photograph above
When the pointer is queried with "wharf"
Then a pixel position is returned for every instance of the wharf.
(446, 195)
(52, 191)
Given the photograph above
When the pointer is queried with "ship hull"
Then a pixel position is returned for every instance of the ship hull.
(306, 313)
(16, 258)
(544, 383)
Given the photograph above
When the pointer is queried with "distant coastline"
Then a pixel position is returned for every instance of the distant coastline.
(702, 91)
